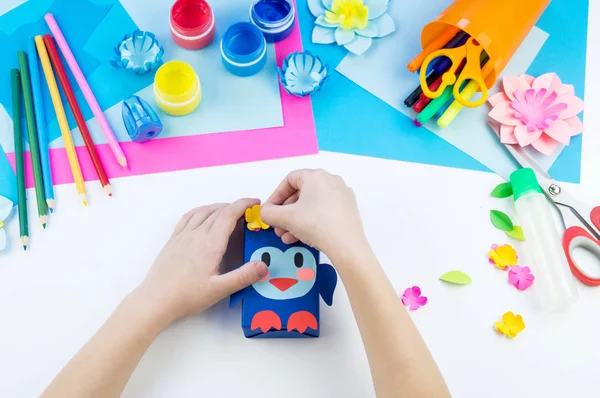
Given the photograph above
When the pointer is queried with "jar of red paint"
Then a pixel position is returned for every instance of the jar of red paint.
(192, 24)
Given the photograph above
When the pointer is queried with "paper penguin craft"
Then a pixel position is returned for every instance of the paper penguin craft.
(285, 303)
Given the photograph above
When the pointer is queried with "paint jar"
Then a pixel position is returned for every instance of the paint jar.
(499, 26)
(192, 24)
(177, 88)
(244, 49)
(275, 18)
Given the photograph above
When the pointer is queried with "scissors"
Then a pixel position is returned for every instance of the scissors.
(582, 222)
(471, 52)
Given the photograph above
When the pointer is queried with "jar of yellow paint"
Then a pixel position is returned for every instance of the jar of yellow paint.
(177, 88)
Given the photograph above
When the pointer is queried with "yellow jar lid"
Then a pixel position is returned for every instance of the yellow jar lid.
(176, 82)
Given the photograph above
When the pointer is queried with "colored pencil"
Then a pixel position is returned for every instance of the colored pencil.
(38, 106)
(59, 110)
(18, 132)
(436, 44)
(86, 90)
(34, 149)
(87, 138)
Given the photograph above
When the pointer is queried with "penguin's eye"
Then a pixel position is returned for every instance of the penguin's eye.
(266, 258)
(298, 260)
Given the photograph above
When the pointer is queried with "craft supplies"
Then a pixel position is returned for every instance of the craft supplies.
(139, 52)
(350, 23)
(34, 150)
(87, 138)
(582, 221)
(510, 325)
(86, 90)
(456, 278)
(413, 299)
(38, 106)
(252, 218)
(140, 120)
(303, 73)
(555, 287)
(5, 210)
(471, 52)
(177, 88)
(243, 49)
(541, 112)
(439, 42)
(20, 166)
(275, 18)
(63, 124)
(192, 24)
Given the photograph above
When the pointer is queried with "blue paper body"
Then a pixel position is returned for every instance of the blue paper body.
(253, 302)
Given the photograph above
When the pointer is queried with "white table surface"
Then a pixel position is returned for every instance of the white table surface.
(421, 220)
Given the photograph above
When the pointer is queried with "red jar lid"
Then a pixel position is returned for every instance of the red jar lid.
(191, 18)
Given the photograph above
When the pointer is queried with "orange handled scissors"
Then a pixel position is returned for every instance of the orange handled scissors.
(582, 222)
(471, 52)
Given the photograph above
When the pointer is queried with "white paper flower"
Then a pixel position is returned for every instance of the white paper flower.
(350, 23)
(5, 209)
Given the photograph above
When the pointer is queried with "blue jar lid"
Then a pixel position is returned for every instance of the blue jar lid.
(272, 16)
(243, 43)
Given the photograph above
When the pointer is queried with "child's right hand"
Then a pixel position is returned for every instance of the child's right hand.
(319, 209)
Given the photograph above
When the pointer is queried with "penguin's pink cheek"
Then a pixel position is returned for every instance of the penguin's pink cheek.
(306, 274)
(265, 278)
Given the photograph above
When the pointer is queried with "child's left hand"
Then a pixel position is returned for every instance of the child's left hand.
(185, 280)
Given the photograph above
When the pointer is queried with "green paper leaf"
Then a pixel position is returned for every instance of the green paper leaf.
(516, 233)
(501, 221)
(456, 277)
(502, 191)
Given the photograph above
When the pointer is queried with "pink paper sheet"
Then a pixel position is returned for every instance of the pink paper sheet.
(296, 138)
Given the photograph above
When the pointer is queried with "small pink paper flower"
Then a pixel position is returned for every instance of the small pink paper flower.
(412, 297)
(520, 277)
(541, 112)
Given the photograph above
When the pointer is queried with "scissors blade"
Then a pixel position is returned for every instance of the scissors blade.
(567, 204)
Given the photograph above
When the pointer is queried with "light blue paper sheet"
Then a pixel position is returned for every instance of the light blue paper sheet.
(382, 72)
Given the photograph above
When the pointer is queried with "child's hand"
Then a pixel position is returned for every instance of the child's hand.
(319, 209)
(185, 280)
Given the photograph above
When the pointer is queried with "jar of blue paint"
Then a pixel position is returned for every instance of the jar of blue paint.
(243, 49)
(275, 18)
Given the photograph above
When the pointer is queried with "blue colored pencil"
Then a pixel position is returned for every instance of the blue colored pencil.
(38, 104)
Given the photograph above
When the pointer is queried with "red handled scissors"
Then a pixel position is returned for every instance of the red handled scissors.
(582, 222)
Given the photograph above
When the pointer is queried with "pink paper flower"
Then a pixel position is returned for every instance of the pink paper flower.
(412, 297)
(541, 112)
(520, 277)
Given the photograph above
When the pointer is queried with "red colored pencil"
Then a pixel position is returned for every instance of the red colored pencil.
(87, 138)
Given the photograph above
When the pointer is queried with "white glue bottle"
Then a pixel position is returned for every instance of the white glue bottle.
(554, 284)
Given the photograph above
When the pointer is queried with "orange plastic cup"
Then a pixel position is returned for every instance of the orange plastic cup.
(499, 26)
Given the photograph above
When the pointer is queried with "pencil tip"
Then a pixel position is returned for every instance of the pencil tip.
(24, 242)
(50, 203)
(122, 161)
(43, 221)
(44, 226)
(108, 190)
(24, 247)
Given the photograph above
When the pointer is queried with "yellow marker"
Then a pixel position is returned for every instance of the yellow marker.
(62, 119)
(253, 219)
(466, 94)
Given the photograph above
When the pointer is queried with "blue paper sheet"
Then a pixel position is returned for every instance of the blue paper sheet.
(379, 130)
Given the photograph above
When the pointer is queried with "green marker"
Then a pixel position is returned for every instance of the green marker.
(435, 105)
(33, 139)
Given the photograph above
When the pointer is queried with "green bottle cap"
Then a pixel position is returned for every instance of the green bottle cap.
(523, 181)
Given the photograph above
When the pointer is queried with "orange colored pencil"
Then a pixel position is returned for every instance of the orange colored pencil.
(438, 43)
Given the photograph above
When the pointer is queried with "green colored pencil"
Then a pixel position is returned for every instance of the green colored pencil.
(33, 139)
(435, 105)
(16, 99)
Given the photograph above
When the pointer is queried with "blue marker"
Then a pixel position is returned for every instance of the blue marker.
(38, 105)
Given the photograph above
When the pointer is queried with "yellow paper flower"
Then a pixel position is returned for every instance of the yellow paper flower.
(253, 219)
(510, 325)
(349, 14)
(503, 256)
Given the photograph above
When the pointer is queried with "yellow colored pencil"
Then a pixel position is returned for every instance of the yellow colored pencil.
(62, 119)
